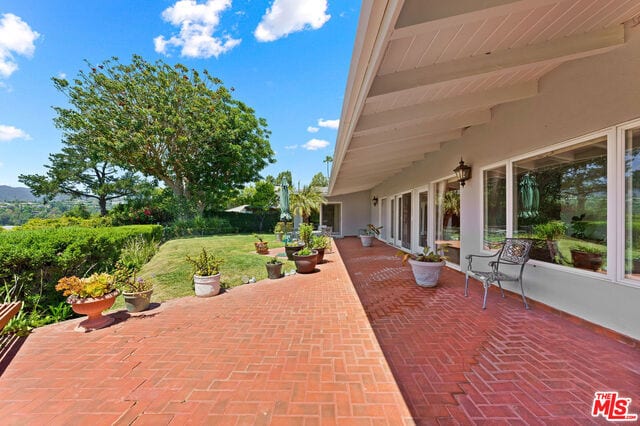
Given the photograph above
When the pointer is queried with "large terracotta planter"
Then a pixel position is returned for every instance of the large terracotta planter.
(138, 301)
(289, 250)
(584, 260)
(320, 254)
(306, 264)
(274, 270)
(207, 286)
(262, 247)
(366, 240)
(93, 308)
(426, 273)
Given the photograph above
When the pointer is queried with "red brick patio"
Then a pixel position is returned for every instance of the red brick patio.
(302, 350)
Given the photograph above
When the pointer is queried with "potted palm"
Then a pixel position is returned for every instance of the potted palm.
(206, 273)
(371, 231)
(587, 257)
(306, 260)
(90, 296)
(274, 268)
(320, 243)
(426, 266)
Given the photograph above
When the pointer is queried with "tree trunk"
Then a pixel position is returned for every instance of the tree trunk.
(102, 201)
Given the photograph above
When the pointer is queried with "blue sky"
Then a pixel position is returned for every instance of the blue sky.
(287, 59)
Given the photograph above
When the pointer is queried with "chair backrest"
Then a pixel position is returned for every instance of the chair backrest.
(516, 250)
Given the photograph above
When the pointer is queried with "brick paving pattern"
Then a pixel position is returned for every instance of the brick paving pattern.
(458, 364)
(298, 350)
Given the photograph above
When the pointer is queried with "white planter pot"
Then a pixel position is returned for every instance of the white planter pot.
(367, 240)
(426, 273)
(207, 286)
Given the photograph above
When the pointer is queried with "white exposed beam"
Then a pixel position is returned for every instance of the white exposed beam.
(367, 167)
(420, 16)
(391, 153)
(428, 139)
(558, 50)
(430, 110)
(342, 188)
(403, 131)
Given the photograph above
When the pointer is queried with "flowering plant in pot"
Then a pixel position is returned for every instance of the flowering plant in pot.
(90, 296)
(320, 243)
(262, 246)
(306, 260)
(136, 291)
(426, 266)
(371, 231)
(206, 273)
(274, 268)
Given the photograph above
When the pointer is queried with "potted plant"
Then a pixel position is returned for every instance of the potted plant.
(206, 273)
(279, 231)
(292, 247)
(306, 260)
(366, 237)
(587, 257)
(550, 232)
(305, 231)
(426, 266)
(274, 268)
(136, 291)
(90, 296)
(262, 247)
(320, 243)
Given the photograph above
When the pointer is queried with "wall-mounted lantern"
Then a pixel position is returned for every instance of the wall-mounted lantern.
(463, 172)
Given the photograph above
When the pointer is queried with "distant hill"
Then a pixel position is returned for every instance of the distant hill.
(10, 193)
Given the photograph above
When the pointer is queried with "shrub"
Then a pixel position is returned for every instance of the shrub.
(67, 221)
(199, 226)
(205, 264)
(305, 231)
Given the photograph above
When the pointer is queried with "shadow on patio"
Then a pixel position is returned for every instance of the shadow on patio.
(455, 362)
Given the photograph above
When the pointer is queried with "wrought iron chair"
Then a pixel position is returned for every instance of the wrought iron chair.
(514, 252)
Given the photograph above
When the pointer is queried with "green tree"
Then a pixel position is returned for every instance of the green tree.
(319, 180)
(305, 201)
(80, 170)
(175, 124)
(264, 198)
(328, 160)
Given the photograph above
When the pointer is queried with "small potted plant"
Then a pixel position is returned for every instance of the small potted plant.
(262, 247)
(274, 268)
(90, 296)
(136, 291)
(368, 233)
(292, 247)
(306, 260)
(586, 256)
(305, 231)
(320, 243)
(206, 273)
(279, 231)
(426, 266)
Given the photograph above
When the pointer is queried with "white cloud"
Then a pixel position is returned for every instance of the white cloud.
(197, 22)
(315, 144)
(16, 37)
(62, 75)
(330, 124)
(289, 16)
(312, 129)
(8, 133)
(291, 147)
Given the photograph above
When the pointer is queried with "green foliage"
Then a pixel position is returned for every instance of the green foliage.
(136, 252)
(199, 226)
(95, 285)
(550, 230)
(280, 227)
(67, 221)
(371, 229)
(306, 200)
(320, 242)
(274, 261)
(319, 180)
(305, 231)
(249, 223)
(304, 252)
(178, 125)
(427, 255)
(79, 211)
(205, 264)
(587, 248)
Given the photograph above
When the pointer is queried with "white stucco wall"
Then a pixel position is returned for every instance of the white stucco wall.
(355, 211)
(575, 99)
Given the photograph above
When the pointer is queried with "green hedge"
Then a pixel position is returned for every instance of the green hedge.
(63, 222)
(249, 222)
(39, 257)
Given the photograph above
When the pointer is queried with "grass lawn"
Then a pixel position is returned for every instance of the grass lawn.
(173, 275)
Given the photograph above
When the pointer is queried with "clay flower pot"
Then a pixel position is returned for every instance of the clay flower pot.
(320, 254)
(292, 249)
(93, 308)
(306, 264)
(262, 247)
(426, 273)
(366, 240)
(274, 270)
(207, 286)
(137, 302)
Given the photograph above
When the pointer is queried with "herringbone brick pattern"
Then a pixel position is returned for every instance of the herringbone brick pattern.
(298, 350)
(458, 364)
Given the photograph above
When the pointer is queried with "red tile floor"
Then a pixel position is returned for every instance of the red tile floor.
(302, 350)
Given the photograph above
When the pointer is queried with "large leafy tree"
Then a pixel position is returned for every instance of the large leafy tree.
(81, 170)
(170, 122)
(319, 180)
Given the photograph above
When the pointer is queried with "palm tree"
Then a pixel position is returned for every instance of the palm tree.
(304, 201)
(328, 159)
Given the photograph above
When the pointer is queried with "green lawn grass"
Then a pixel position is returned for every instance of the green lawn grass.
(173, 275)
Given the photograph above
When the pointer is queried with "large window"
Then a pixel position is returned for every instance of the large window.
(495, 207)
(632, 204)
(560, 200)
(448, 219)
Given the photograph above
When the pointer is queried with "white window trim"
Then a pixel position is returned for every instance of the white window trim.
(432, 205)
(504, 164)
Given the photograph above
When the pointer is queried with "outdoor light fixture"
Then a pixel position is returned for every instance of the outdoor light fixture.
(374, 200)
(463, 172)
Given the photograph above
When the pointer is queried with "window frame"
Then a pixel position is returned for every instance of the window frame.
(508, 199)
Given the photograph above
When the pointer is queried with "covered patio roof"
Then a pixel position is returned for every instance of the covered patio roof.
(423, 71)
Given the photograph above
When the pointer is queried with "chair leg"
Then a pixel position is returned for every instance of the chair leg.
(524, 299)
(486, 289)
(500, 285)
(466, 285)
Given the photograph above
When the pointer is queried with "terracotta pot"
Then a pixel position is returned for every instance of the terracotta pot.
(207, 286)
(366, 240)
(426, 273)
(306, 264)
(584, 260)
(92, 308)
(274, 270)
(137, 302)
(292, 249)
(262, 247)
(320, 254)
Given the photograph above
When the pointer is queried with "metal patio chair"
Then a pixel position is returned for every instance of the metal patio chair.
(514, 253)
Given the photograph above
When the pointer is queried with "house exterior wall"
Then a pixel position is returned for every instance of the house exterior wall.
(355, 213)
(575, 99)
